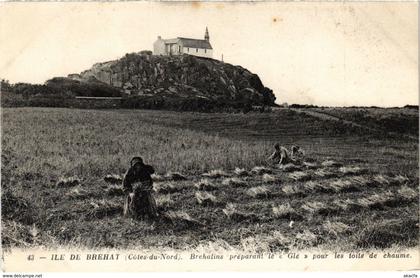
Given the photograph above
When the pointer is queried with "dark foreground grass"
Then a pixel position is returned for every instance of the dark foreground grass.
(61, 174)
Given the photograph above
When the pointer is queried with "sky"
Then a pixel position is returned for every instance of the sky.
(322, 53)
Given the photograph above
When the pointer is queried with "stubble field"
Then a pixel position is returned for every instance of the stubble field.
(61, 186)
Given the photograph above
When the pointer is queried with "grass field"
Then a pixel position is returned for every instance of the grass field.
(54, 162)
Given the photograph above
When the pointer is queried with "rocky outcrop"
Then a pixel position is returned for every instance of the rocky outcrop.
(183, 76)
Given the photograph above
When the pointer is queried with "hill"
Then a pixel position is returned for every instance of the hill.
(183, 76)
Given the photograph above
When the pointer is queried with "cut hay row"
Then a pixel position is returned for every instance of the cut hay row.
(68, 181)
(215, 174)
(205, 185)
(258, 192)
(113, 179)
(233, 213)
(235, 182)
(205, 198)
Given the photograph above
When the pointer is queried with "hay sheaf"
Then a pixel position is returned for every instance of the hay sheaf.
(377, 200)
(113, 179)
(352, 170)
(215, 174)
(68, 181)
(205, 198)
(181, 219)
(241, 172)
(408, 194)
(78, 193)
(315, 207)
(258, 192)
(285, 211)
(342, 185)
(306, 238)
(103, 208)
(331, 163)
(115, 191)
(269, 178)
(233, 213)
(336, 228)
(346, 205)
(165, 187)
(205, 185)
(310, 165)
(235, 182)
(261, 170)
(382, 179)
(164, 201)
(291, 190)
(289, 167)
(157, 177)
(300, 176)
(175, 176)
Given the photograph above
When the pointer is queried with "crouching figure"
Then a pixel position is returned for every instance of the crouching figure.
(138, 186)
(282, 156)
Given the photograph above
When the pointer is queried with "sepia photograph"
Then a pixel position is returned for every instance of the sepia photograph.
(209, 136)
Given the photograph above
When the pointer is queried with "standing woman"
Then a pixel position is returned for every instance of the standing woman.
(138, 186)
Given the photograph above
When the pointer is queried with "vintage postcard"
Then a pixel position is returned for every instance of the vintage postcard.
(209, 136)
